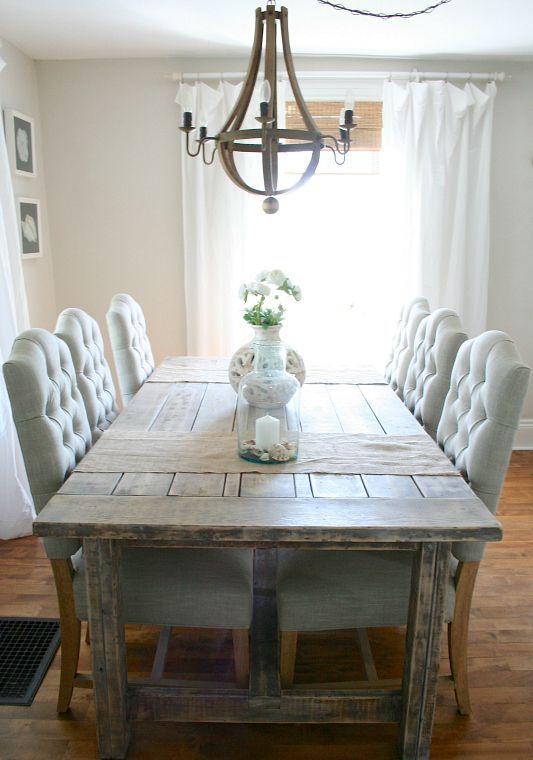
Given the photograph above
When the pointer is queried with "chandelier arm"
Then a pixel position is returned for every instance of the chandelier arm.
(308, 173)
(189, 151)
(291, 73)
(206, 161)
(238, 112)
(340, 148)
(336, 153)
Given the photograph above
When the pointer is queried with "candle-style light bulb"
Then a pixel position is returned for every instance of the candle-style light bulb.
(202, 123)
(265, 93)
(348, 107)
(187, 106)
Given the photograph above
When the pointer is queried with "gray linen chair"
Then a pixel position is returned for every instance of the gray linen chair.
(204, 588)
(437, 342)
(131, 348)
(403, 343)
(334, 590)
(82, 335)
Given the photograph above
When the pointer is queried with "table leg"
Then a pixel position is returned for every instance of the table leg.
(422, 649)
(108, 649)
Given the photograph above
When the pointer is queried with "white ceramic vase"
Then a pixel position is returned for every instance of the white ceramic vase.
(242, 360)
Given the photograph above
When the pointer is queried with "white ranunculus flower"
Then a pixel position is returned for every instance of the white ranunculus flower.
(297, 293)
(252, 286)
(263, 275)
(277, 277)
(242, 291)
(263, 289)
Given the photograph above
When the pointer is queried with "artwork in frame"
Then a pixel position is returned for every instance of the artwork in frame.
(30, 227)
(20, 138)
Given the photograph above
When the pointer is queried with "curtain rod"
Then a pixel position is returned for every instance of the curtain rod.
(412, 75)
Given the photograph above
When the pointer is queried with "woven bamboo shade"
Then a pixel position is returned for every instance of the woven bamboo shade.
(367, 115)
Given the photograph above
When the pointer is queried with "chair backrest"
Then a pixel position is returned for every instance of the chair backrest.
(480, 416)
(93, 375)
(437, 342)
(131, 348)
(403, 343)
(48, 410)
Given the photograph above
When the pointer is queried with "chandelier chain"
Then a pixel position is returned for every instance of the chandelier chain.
(358, 12)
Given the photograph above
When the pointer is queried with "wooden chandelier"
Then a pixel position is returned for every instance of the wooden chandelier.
(267, 139)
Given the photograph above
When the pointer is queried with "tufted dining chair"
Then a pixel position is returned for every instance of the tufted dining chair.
(83, 337)
(437, 342)
(363, 589)
(131, 348)
(403, 343)
(204, 588)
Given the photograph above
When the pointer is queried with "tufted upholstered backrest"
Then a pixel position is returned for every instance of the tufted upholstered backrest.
(437, 341)
(84, 339)
(131, 347)
(480, 416)
(49, 415)
(403, 342)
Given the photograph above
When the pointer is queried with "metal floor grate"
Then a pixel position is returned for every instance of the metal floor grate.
(27, 647)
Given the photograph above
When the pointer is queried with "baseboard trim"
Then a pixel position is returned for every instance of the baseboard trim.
(524, 435)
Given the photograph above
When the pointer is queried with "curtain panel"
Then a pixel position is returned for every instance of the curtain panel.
(437, 147)
(16, 507)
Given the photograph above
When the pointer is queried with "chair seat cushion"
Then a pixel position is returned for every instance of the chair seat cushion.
(329, 590)
(197, 588)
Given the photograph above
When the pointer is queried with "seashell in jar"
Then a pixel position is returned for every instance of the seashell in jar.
(264, 456)
(279, 453)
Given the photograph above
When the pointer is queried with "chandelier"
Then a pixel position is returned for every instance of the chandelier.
(267, 139)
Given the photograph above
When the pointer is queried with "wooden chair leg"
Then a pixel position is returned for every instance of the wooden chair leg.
(458, 633)
(241, 656)
(70, 631)
(88, 634)
(289, 640)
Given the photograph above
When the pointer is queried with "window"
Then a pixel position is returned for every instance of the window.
(330, 237)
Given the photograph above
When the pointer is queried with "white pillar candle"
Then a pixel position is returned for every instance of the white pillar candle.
(266, 432)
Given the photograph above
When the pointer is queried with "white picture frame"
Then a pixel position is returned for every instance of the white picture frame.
(29, 221)
(20, 139)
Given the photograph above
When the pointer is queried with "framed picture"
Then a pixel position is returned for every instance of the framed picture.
(20, 140)
(30, 227)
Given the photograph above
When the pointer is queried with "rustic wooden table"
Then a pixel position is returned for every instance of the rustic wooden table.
(129, 490)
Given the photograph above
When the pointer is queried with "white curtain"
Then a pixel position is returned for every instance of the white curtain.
(16, 508)
(213, 212)
(437, 143)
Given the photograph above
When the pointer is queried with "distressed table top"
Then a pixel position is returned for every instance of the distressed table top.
(130, 485)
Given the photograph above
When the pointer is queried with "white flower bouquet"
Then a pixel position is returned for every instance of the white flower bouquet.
(267, 289)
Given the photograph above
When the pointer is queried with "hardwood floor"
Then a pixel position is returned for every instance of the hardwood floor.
(501, 670)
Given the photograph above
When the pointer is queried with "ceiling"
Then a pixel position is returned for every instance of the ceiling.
(63, 29)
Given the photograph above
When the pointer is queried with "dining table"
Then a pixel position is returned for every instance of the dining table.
(167, 474)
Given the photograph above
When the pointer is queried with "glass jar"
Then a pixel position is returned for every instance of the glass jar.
(268, 408)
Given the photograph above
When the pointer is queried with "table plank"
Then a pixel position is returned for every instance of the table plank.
(142, 410)
(180, 408)
(392, 485)
(96, 483)
(337, 486)
(192, 484)
(394, 417)
(437, 486)
(353, 411)
(253, 484)
(217, 410)
(144, 484)
(214, 519)
(317, 411)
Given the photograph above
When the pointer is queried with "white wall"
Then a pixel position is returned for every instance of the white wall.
(18, 90)
(112, 160)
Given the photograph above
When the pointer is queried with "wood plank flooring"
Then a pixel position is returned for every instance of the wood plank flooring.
(501, 670)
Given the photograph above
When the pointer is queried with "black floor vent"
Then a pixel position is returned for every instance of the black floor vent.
(27, 647)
